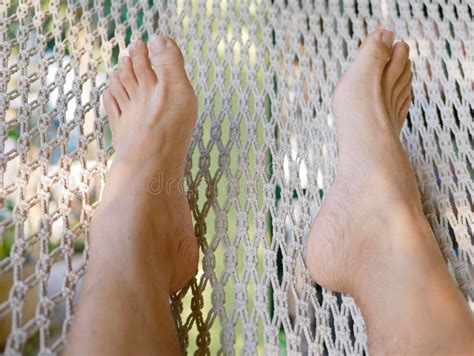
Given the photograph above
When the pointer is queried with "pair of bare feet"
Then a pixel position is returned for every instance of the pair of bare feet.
(152, 108)
(370, 238)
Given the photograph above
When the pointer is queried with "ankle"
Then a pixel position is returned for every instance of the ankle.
(406, 271)
(127, 194)
(398, 246)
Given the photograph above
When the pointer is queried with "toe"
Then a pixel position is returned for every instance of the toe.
(127, 76)
(404, 91)
(112, 109)
(167, 61)
(403, 80)
(395, 66)
(141, 64)
(118, 91)
(403, 98)
(375, 51)
(402, 114)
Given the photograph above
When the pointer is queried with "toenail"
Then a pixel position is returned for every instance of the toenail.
(158, 44)
(387, 37)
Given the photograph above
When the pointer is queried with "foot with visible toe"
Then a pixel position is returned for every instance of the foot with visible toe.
(370, 238)
(152, 109)
(370, 104)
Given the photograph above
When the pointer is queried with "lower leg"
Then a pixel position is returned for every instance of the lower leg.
(142, 242)
(409, 301)
(124, 306)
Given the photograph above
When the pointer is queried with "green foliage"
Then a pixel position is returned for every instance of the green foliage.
(6, 242)
(14, 133)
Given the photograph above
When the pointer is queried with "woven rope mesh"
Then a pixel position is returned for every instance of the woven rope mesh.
(262, 157)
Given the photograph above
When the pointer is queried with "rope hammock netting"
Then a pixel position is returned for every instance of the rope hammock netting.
(262, 156)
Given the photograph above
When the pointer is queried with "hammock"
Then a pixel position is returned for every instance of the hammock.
(261, 159)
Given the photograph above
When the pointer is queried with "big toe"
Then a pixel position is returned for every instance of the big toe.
(167, 61)
(375, 51)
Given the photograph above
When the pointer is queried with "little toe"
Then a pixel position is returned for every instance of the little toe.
(141, 64)
(167, 61)
(118, 91)
(112, 109)
(127, 76)
(395, 66)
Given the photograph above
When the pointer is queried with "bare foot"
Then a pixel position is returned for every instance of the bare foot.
(370, 238)
(370, 104)
(152, 111)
